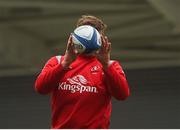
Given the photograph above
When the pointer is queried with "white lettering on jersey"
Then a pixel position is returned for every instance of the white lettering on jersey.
(77, 84)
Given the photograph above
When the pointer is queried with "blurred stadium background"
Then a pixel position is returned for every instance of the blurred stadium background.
(145, 36)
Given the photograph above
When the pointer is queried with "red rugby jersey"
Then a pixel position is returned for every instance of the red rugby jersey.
(81, 95)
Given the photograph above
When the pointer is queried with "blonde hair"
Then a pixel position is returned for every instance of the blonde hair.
(92, 21)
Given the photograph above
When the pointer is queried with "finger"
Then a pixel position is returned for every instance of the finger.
(109, 47)
(70, 43)
(103, 41)
(106, 39)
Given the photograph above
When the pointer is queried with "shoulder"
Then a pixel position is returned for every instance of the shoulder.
(59, 58)
(55, 60)
(113, 62)
(115, 65)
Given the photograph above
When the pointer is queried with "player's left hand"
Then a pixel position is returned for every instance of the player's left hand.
(103, 54)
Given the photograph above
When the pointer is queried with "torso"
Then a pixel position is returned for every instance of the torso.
(81, 94)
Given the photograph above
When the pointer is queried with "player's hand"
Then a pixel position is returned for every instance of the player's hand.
(70, 54)
(103, 54)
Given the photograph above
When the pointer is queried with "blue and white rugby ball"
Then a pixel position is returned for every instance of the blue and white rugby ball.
(86, 39)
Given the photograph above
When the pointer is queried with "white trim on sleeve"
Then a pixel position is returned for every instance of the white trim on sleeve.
(110, 62)
(58, 59)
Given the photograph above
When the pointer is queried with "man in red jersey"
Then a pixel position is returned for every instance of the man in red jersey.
(82, 85)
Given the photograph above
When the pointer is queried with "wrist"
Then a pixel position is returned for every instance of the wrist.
(65, 64)
(107, 64)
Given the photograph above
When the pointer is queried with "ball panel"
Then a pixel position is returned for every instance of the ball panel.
(79, 48)
(85, 32)
(98, 38)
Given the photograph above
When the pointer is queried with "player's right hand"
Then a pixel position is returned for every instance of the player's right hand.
(70, 54)
(103, 54)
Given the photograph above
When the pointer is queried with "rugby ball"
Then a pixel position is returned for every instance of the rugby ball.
(86, 39)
